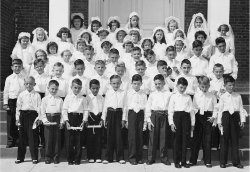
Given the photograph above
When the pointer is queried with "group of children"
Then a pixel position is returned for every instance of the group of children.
(92, 80)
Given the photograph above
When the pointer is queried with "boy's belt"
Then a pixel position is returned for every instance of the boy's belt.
(159, 111)
(73, 113)
(114, 110)
(53, 114)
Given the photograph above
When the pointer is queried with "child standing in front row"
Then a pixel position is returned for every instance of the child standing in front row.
(114, 118)
(181, 119)
(27, 110)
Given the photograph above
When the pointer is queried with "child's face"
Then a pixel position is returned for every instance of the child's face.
(113, 57)
(16, 68)
(40, 35)
(41, 55)
(66, 56)
(141, 70)
(53, 89)
(136, 55)
(147, 45)
(185, 68)
(163, 69)
(52, 50)
(159, 85)
(221, 47)
(77, 23)
(172, 26)
(81, 46)
(134, 21)
(65, 36)
(29, 84)
(76, 88)
(88, 54)
(218, 72)
(201, 38)
(197, 51)
(151, 58)
(171, 55)
(159, 35)
(106, 48)
(204, 87)
(94, 88)
(100, 69)
(85, 36)
(39, 67)
(179, 45)
(229, 87)
(134, 37)
(198, 23)
(115, 83)
(120, 71)
(80, 69)
(95, 27)
(128, 47)
(103, 35)
(136, 85)
(179, 34)
(58, 71)
(223, 30)
(114, 26)
(120, 36)
(181, 88)
(24, 42)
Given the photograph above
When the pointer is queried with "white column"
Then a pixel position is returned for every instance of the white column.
(59, 16)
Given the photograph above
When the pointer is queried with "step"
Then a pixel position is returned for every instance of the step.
(3, 138)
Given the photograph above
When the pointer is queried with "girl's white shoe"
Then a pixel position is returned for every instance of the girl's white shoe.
(91, 161)
(122, 162)
(105, 162)
(98, 161)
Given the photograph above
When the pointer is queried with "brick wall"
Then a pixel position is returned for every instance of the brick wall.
(80, 6)
(239, 20)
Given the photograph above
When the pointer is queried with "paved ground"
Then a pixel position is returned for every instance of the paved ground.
(8, 165)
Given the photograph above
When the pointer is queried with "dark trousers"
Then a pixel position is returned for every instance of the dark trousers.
(94, 146)
(12, 131)
(135, 141)
(74, 145)
(182, 122)
(201, 136)
(114, 135)
(41, 127)
(27, 135)
(231, 130)
(158, 135)
(52, 135)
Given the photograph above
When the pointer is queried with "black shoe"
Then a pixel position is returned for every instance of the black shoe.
(18, 161)
(166, 162)
(34, 161)
(133, 162)
(47, 161)
(10, 145)
(70, 163)
(191, 164)
(222, 166)
(77, 163)
(238, 165)
(140, 162)
(150, 162)
(56, 161)
(209, 165)
(185, 165)
(177, 166)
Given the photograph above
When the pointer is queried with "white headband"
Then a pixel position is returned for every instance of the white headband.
(77, 14)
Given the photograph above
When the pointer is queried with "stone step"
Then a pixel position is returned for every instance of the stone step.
(3, 138)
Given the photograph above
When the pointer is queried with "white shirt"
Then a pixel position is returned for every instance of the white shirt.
(160, 50)
(63, 86)
(199, 66)
(169, 84)
(152, 69)
(65, 46)
(85, 84)
(89, 69)
(28, 101)
(115, 99)
(217, 85)
(14, 85)
(125, 85)
(51, 104)
(41, 82)
(95, 104)
(110, 70)
(40, 45)
(232, 103)
(172, 63)
(104, 83)
(158, 100)
(68, 70)
(227, 60)
(192, 83)
(74, 104)
(180, 102)
(75, 33)
(183, 54)
(77, 55)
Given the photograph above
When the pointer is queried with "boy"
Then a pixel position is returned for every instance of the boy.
(94, 135)
(181, 118)
(198, 62)
(173, 64)
(206, 46)
(120, 69)
(136, 103)
(14, 85)
(126, 56)
(89, 62)
(27, 111)
(152, 63)
(192, 80)
(136, 55)
(51, 109)
(225, 58)
(114, 119)
(156, 114)
(205, 114)
(74, 109)
(231, 118)
(113, 59)
(100, 68)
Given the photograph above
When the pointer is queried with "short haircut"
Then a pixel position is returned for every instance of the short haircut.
(95, 22)
(67, 50)
(228, 79)
(159, 77)
(89, 47)
(161, 63)
(114, 21)
(63, 30)
(77, 81)
(148, 52)
(218, 65)
(200, 32)
(38, 61)
(185, 61)
(136, 49)
(140, 63)
(81, 40)
(204, 80)
(42, 51)
(113, 51)
(197, 43)
(182, 81)
(53, 82)
(106, 43)
(145, 40)
(29, 77)
(223, 25)
(100, 62)
(120, 64)
(219, 40)
(136, 77)
(94, 82)
(125, 33)
(17, 62)
(128, 42)
(170, 48)
(115, 77)
(102, 30)
(52, 44)
(79, 62)
(58, 64)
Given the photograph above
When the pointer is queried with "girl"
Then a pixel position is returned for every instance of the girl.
(172, 62)
(181, 49)
(198, 22)
(77, 25)
(127, 46)
(171, 24)
(179, 33)
(207, 47)
(87, 35)
(147, 44)
(68, 67)
(120, 70)
(102, 34)
(104, 52)
(78, 54)
(113, 24)
(135, 36)
(40, 54)
(133, 21)
(64, 35)
(52, 49)
(40, 39)
(151, 62)
(119, 36)
(24, 50)
(95, 24)
(159, 42)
